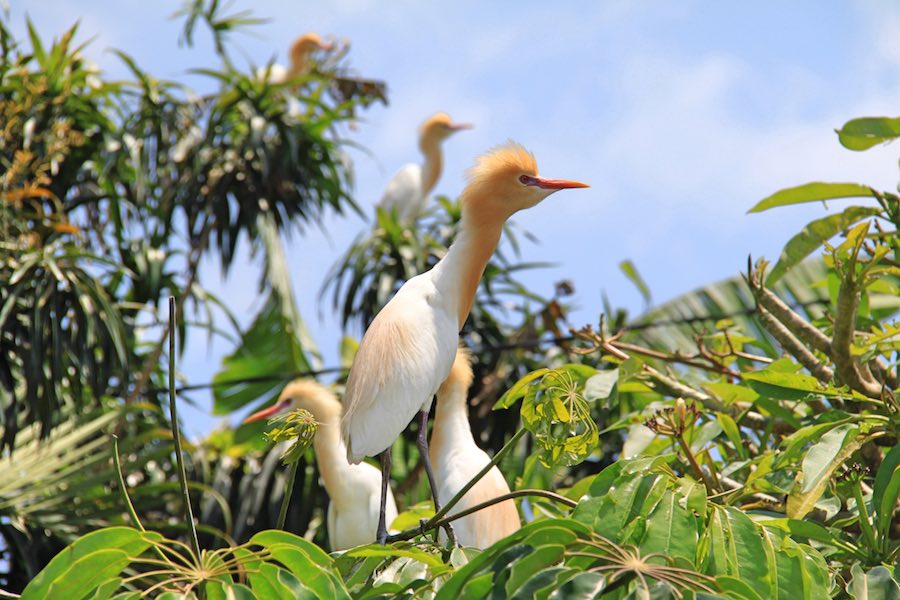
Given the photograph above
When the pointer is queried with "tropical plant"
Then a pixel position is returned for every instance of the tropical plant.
(737, 442)
(111, 195)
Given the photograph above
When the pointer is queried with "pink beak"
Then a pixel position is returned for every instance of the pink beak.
(459, 126)
(555, 184)
(266, 413)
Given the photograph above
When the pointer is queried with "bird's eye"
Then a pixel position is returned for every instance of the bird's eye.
(524, 179)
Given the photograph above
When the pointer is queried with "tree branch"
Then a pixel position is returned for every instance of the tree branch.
(434, 524)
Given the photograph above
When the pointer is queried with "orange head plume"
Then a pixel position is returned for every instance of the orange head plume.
(505, 180)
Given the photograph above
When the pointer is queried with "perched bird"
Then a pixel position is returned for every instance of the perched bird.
(354, 490)
(407, 351)
(408, 189)
(457, 459)
(299, 53)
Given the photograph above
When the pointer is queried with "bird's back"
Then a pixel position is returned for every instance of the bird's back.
(404, 356)
(404, 193)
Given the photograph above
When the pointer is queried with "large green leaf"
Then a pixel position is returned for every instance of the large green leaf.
(812, 192)
(875, 584)
(820, 462)
(313, 568)
(814, 235)
(865, 132)
(770, 562)
(88, 562)
(886, 491)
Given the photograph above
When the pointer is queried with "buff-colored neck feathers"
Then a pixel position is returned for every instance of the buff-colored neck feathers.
(461, 375)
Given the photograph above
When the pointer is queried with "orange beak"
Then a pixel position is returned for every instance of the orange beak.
(266, 413)
(555, 184)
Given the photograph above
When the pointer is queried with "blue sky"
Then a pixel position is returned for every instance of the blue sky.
(680, 115)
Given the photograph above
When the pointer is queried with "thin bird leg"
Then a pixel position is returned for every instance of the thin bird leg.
(422, 443)
(381, 534)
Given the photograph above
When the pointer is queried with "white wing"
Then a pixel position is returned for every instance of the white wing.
(404, 193)
(403, 358)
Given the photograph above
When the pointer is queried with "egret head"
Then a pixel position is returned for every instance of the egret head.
(460, 378)
(437, 128)
(505, 180)
(301, 49)
(305, 394)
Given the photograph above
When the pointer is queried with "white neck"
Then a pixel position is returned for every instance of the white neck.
(331, 456)
(451, 422)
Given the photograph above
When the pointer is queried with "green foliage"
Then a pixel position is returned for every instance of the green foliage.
(298, 427)
(737, 442)
(555, 411)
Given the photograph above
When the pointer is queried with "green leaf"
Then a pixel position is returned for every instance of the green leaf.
(790, 386)
(627, 267)
(737, 589)
(806, 529)
(886, 491)
(812, 192)
(820, 462)
(876, 584)
(517, 391)
(397, 550)
(733, 433)
(671, 529)
(584, 586)
(774, 565)
(88, 562)
(814, 235)
(600, 386)
(865, 132)
(313, 568)
(218, 590)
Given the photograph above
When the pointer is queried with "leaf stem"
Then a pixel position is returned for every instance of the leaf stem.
(864, 522)
(288, 491)
(176, 435)
(710, 487)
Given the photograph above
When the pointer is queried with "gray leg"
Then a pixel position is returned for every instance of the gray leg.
(381, 534)
(422, 443)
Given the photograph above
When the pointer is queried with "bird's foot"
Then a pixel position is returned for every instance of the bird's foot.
(381, 536)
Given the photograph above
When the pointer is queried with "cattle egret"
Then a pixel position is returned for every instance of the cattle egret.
(354, 489)
(407, 351)
(408, 189)
(299, 53)
(457, 459)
